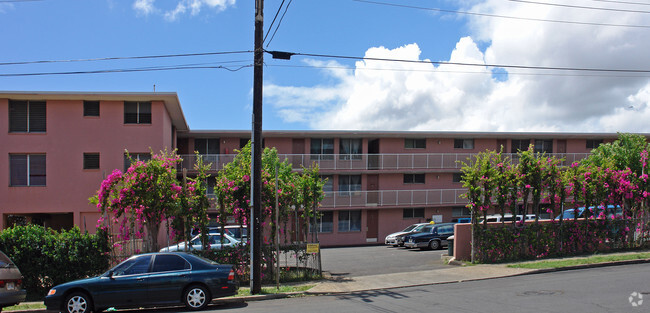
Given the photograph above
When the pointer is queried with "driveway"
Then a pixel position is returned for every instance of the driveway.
(376, 260)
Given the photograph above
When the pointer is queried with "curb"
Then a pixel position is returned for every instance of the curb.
(308, 293)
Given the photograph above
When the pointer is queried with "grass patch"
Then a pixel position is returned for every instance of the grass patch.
(582, 261)
(24, 306)
(245, 291)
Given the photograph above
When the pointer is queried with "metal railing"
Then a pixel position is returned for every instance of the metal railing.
(385, 161)
(336, 199)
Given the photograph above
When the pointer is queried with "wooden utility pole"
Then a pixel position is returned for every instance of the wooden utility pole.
(256, 151)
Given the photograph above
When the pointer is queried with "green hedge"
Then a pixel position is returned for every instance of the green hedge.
(47, 257)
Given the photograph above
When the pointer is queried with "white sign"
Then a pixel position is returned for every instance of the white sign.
(436, 218)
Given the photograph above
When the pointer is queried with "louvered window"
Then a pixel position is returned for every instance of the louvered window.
(27, 170)
(137, 112)
(27, 116)
(91, 161)
(91, 108)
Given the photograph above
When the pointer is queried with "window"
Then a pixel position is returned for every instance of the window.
(169, 262)
(463, 143)
(420, 143)
(446, 229)
(594, 143)
(27, 116)
(519, 145)
(349, 184)
(206, 146)
(349, 221)
(144, 157)
(544, 145)
(27, 170)
(137, 112)
(322, 148)
(413, 213)
(350, 149)
(243, 142)
(91, 161)
(457, 177)
(325, 222)
(210, 184)
(459, 211)
(138, 265)
(329, 183)
(91, 108)
(414, 178)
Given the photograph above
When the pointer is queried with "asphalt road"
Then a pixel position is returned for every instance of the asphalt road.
(605, 289)
(375, 260)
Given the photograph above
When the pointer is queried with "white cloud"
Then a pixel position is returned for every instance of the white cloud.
(426, 97)
(193, 7)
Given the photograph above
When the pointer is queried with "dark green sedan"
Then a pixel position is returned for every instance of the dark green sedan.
(147, 280)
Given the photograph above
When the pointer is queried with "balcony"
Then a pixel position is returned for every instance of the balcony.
(370, 162)
(392, 198)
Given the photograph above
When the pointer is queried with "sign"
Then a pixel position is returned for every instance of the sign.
(436, 219)
(312, 248)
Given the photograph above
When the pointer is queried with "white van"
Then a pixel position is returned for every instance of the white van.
(506, 218)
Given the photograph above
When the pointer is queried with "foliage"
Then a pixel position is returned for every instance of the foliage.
(613, 176)
(149, 195)
(47, 257)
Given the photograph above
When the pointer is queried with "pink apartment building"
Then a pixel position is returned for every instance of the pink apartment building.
(59, 146)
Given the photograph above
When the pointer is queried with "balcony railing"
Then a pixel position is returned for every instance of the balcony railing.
(362, 162)
(408, 198)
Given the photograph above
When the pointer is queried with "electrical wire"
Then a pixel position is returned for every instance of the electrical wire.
(280, 22)
(129, 70)
(462, 72)
(500, 16)
(622, 2)
(273, 22)
(579, 69)
(127, 58)
(579, 7)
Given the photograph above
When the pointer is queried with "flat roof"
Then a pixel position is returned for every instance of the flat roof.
(172, 104)
(403, 134)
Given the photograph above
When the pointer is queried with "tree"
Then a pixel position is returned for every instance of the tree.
(147, 195)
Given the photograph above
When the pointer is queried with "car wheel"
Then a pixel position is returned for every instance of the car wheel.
(434, 244)
(78, 302)
(196, 297)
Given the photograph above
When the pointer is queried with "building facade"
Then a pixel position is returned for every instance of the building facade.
(59, 146)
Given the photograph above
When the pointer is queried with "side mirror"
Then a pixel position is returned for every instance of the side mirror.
(110, 274)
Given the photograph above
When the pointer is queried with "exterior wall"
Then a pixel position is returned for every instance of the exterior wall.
(69, 135)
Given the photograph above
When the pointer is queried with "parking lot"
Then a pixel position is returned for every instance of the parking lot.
(375, 260)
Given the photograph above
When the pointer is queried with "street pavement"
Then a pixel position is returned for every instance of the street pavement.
(445, 275)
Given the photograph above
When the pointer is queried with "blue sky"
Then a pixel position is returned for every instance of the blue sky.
(331, 93)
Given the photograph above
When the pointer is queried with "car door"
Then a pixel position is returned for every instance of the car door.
(444, 232)
(169, 275)
(127, 286)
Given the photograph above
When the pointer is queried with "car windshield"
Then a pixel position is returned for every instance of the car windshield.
(419, 228)
(5, 261)
(408, 229)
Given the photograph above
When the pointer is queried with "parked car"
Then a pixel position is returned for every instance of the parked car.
(11, 280)
(236, 231)
(611, 210)
(461, 220)
(215, 240)
(145, 280)
(433, 236)
(397, 239)
(508, 218)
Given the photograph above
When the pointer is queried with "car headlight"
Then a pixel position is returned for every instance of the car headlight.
(51, 292)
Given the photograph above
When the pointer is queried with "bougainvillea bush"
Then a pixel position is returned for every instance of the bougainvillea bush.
(613, 176)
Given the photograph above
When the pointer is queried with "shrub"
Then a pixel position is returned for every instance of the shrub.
(47, 257)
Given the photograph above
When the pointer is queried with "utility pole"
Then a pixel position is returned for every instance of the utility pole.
(256, 151)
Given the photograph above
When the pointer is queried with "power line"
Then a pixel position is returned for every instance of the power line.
(622, 2)
(127, 58)
(280, 22)
(500, 16)
(9, 1)
(273, 22)
(461, 72)
(130, 70)
(466, 64)
(580, 7)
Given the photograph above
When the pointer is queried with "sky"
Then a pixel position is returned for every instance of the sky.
(472, 65)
